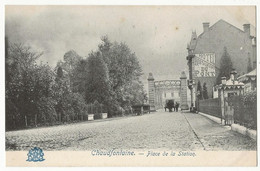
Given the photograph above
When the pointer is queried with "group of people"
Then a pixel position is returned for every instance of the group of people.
(176, 107)
(171, 105)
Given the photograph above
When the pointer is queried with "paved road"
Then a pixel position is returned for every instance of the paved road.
(160, 130)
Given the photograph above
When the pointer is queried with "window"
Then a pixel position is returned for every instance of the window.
(172, 94)
(165, 95)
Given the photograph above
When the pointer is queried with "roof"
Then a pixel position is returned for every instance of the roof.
(219, 21)
(245, 77)
(233, 83)
(230, 84)
(252, 27)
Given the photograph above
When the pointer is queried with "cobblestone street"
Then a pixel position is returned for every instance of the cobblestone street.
(160, 130)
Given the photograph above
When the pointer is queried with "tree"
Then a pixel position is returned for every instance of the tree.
(27, 84)
(205, 91)
(70, 61)
(80, 77)
(249, 66)
(68, 65)
(199, 90)
(61, 89)
(124, 73)
(97, 78)
(79, 106)
(20, 91)
(44, 99)
(59, 73)
(226, 66)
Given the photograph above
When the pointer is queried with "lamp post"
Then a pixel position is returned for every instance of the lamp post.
(191, 81)
(222, 97)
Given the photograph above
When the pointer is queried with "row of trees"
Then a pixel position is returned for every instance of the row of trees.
(38, 94)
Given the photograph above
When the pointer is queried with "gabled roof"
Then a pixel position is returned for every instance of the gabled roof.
(194, 38)
(223, 21)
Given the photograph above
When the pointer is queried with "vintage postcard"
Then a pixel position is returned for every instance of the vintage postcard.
(130, 85)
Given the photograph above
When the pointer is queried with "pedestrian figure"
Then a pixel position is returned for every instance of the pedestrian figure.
(191, 107)
(177, 106)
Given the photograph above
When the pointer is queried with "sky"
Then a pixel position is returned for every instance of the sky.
(157, 34)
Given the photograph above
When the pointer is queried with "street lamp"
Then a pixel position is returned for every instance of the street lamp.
(191, 81)
(222, 97)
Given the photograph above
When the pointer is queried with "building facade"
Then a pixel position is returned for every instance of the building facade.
(206, 50)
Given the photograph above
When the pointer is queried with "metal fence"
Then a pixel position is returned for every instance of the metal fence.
(210, 107)
(245, 112)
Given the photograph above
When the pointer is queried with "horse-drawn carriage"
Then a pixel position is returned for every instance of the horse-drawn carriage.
(169, 105)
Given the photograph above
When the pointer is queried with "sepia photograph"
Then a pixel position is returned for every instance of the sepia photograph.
(145, 85)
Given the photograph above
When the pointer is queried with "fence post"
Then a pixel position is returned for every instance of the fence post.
(222, 104)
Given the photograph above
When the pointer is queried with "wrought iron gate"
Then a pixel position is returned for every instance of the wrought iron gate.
(228, 111)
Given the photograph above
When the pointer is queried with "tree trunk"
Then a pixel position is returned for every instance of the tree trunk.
(14, 126)
(35, 120)
(25, 120)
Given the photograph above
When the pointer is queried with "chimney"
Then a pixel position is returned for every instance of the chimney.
(247, 29)
(205, 26)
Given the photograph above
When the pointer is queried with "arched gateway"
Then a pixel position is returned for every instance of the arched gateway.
(160, 91)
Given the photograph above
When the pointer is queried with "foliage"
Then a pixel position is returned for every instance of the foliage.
(80, 77)
(245, 109)
(249, 65)
(97, 78)
(226, 66)
(205, 91)
(124, 73)
(36, 94)
(21, 91)
(69, 64)
(46, 110)
(199, 90)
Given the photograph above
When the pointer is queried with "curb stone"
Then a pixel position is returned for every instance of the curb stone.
(235, 127)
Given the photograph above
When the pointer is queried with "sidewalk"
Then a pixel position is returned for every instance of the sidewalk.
(215, 136)
(235, 127)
